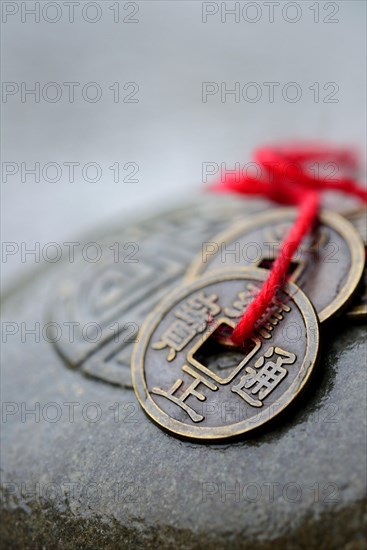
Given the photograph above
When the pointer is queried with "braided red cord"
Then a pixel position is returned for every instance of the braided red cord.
(304, 192)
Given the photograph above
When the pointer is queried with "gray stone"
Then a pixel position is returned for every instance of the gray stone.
(118, 481)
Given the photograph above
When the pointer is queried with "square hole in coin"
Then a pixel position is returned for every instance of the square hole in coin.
(219, 355)
(267, 263)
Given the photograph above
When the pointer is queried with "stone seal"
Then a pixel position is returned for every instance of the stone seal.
(83, 466)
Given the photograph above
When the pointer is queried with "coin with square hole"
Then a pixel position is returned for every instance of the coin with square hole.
(328, 265)
(358, 311)
(194, 382)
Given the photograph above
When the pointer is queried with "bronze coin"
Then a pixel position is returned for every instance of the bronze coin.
(328, 266)
(358, 218)
(191, 383)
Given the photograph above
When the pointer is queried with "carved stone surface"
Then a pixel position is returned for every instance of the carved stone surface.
(88, 469)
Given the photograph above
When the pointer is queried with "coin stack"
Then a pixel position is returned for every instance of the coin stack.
(186, 369)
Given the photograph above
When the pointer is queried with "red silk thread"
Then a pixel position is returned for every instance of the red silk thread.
(303, 191)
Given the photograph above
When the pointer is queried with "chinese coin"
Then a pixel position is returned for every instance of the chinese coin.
(192, 382)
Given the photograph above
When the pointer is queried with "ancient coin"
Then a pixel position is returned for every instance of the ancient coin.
(358, 312)
(192, 382)
(328, 266)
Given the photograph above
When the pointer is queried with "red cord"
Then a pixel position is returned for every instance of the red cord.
(303, 192)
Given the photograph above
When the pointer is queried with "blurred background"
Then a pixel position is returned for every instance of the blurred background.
(113, 108)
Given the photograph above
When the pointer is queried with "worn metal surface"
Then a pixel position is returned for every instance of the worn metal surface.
(358, 310)
(87, 468)
(188, 380)
(328, 265)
